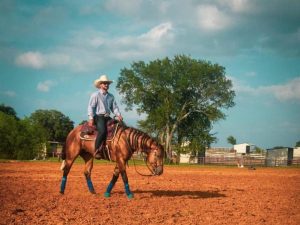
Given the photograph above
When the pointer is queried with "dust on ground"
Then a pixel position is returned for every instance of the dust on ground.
(29, 194)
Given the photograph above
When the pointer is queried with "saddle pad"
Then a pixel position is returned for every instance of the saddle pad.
(89, 133)
(87, 129)
(88, 137)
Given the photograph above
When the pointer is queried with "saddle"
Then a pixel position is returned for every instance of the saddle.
(89, 133)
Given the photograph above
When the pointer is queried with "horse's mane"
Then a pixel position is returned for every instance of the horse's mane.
(138, 139)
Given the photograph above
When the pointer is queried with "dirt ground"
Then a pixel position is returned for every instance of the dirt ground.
(29, 194)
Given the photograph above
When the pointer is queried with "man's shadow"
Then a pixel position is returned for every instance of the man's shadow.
(189, 194)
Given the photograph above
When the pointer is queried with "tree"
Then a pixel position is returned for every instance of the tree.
(231, 140)
(8, 133)
(8, 110)
(54, 122)
(259, 150)
(30, 140)
(19, 138)
(181, 98)
(297, 144)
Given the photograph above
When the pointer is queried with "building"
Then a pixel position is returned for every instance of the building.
(296, 154)
(279, 156)
(244, 148)
(55, 148)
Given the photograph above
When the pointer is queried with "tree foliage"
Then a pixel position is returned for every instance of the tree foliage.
(231, 140)
(26, 138)
(259, 150)
(8, 110)
(297, 144)
(181, 98)
(20, 139)
(54, 122)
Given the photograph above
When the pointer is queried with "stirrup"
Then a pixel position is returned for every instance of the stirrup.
(99, 152)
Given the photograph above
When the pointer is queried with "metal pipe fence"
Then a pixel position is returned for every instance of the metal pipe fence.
(248, 161)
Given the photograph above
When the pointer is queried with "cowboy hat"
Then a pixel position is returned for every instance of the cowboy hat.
(102, 79)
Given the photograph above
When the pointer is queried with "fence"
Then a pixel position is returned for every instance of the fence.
(247, 161)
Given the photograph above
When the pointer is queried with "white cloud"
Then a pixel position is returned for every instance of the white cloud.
(155, 37)
(45, 85)
(10, 93)
(88, 49)
(158, 32)
(37, 60)
(289, 91)
(150, 43)
(34, 60)
(285, 92)
(210, 18)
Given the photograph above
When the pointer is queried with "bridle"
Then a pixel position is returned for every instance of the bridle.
(155, 155)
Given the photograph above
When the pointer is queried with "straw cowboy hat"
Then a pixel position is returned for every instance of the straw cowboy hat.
(102, 79)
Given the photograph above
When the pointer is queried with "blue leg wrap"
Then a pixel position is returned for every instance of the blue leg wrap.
(63, 184)
(128, 192)
(110, 187)
(90, 185)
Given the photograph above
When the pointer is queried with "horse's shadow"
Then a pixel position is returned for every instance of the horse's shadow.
(179, 193)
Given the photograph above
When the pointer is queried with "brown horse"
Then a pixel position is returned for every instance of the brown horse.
(126, 141)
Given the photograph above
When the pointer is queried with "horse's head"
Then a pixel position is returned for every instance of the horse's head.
(155, 159)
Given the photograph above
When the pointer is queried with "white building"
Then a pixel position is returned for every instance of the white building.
(296, 152)
(244, 148)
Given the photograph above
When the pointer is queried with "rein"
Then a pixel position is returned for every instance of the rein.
(131, 150)
(144, 175)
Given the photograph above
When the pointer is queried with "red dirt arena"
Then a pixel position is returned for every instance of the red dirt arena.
(29, 194)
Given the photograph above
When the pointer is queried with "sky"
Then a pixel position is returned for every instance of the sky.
(52, 51)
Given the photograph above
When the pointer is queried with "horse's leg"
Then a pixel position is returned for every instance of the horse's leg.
(126, 184)
(88, 158)
(112, 182)
(122, 168)
(71, 154)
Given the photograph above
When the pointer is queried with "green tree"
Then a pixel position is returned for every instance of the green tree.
(9, 130)
(259, 150)
(20, 139)
(30, 140)
(297, 144)
(54, 122)
(8, 110)
(181, 98)
(231, 140)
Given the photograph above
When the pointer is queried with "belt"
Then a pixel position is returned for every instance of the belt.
(104, 115)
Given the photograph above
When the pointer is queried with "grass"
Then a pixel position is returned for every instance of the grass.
(140, 162)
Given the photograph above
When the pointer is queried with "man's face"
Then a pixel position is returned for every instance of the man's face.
(104, 86)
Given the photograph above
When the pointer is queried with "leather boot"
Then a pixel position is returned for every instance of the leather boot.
(98, 153)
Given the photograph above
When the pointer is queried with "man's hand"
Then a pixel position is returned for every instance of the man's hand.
(91, 122)
(120, 118)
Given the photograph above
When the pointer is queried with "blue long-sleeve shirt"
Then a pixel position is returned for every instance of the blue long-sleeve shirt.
(102, 104)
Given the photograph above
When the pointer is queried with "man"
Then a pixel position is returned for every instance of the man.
(100, 106)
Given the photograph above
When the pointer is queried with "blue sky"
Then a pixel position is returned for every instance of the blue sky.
(52, 51)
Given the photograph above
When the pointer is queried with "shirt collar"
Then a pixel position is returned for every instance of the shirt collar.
(102, 92)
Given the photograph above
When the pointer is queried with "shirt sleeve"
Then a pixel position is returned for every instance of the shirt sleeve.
(92, 106)
(115, 108)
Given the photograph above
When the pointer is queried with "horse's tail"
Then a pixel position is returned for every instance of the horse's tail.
(63, 156)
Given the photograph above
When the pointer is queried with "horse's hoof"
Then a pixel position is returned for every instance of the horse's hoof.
(130, 196)
(93, 192)
(62, 192)
(106, 194)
